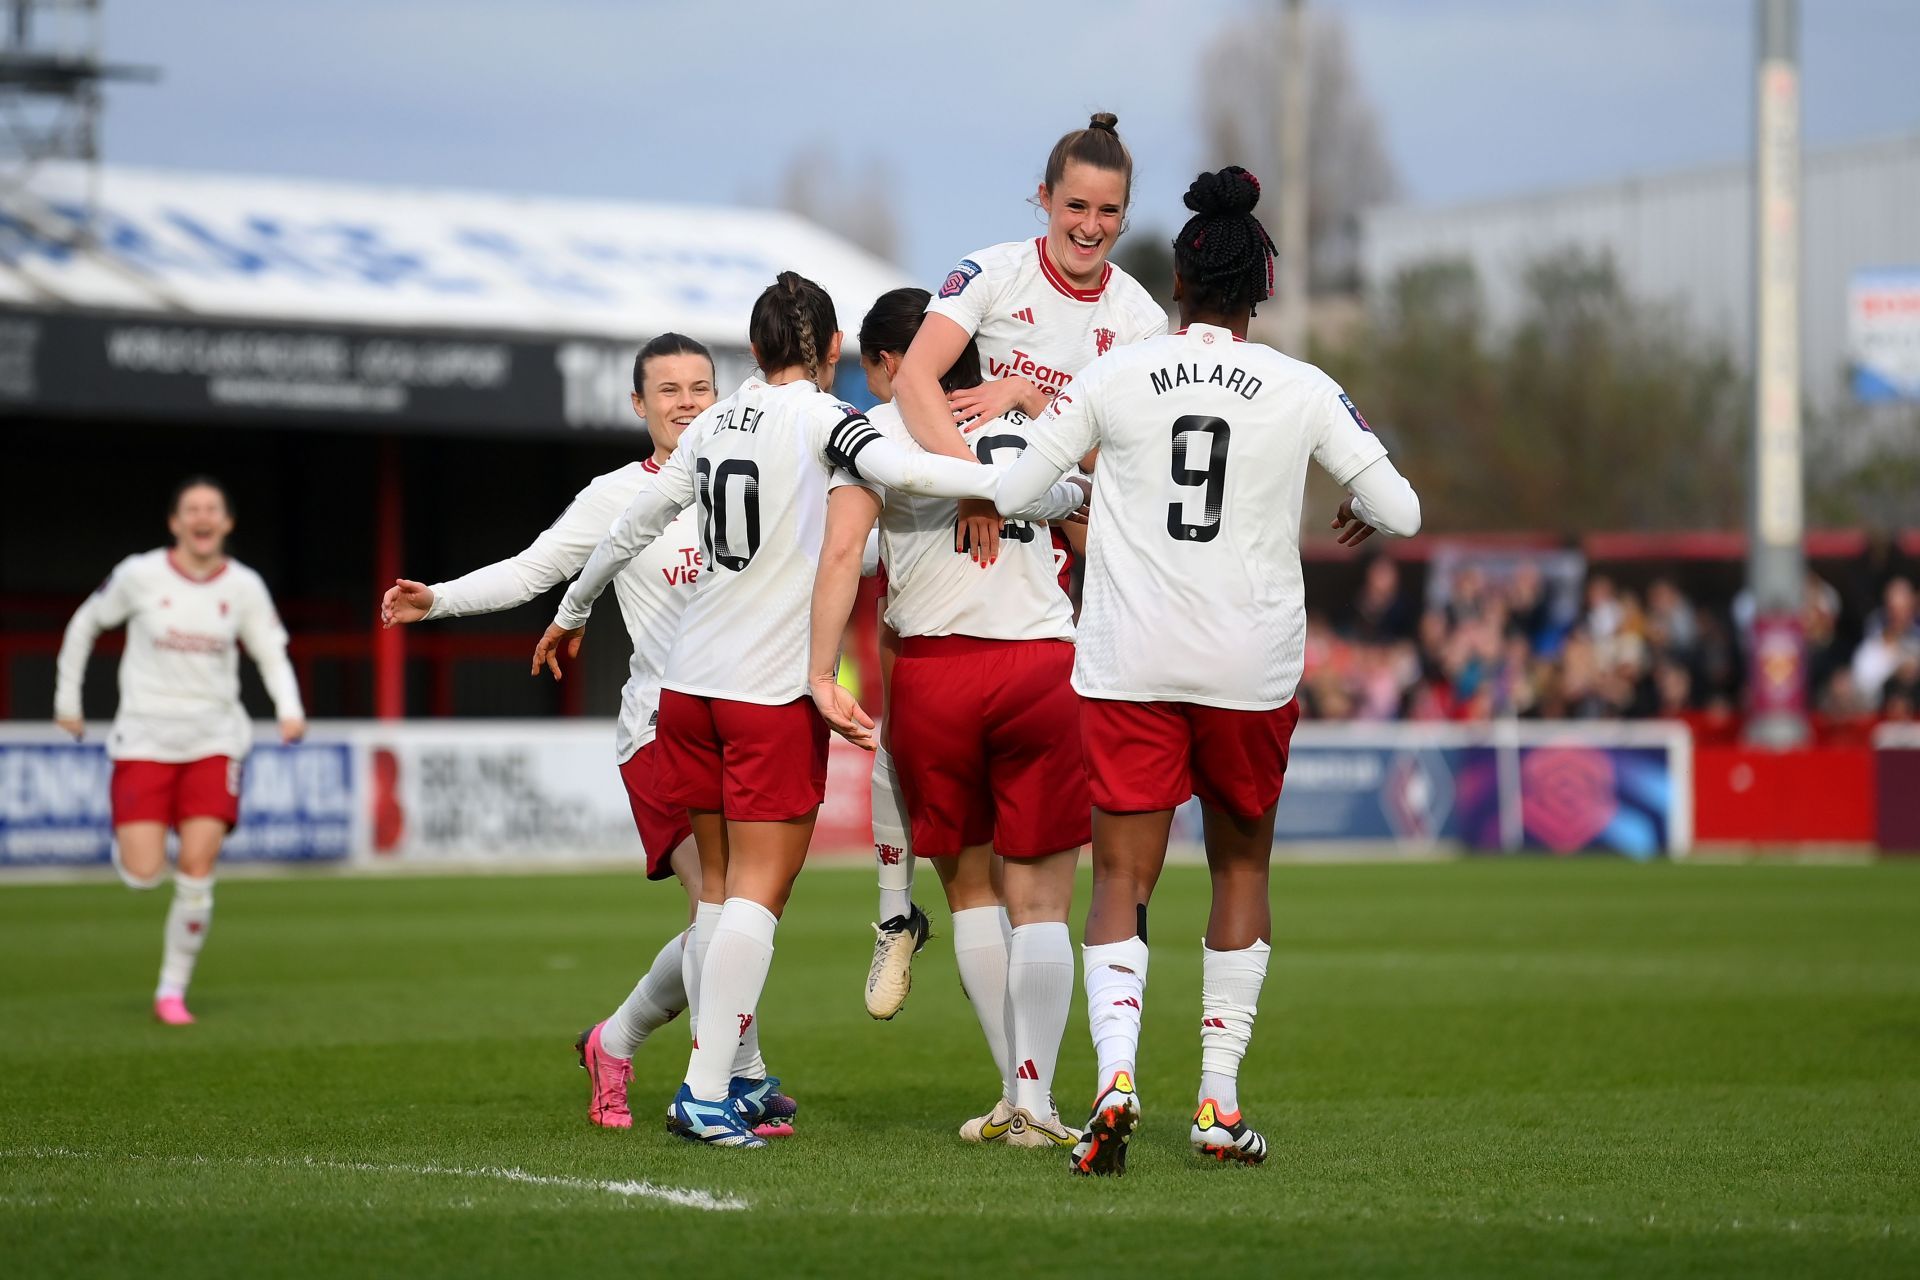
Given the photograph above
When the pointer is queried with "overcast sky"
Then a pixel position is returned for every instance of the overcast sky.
(705, 101)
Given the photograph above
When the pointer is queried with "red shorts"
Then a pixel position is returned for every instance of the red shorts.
(750, 762)
(149, 791)
(663, 827)
(986, 743)
(1143, 756)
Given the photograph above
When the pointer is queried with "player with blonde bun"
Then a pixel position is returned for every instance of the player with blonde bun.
(1192, 633)
(984, 731)
(180, 734)
(1037, 311)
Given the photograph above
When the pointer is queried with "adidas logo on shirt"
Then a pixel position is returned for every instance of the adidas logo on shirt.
(1024, 315)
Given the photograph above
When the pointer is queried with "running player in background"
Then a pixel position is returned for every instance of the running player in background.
(1192, 632)
(1038, 311)
(180, 733)
(672, 384)
(984, 729)
(742, 746)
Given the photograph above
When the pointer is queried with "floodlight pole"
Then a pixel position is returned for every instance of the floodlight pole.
(1776, 558)
(1291, 270)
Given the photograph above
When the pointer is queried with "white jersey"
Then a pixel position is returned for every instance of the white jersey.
(758, 464)
(1029, 322)
(180, 673)
(1193, 589)
(933, 590)
(653, 589)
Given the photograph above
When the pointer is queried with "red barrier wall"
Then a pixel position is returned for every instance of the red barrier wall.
(1821, 794)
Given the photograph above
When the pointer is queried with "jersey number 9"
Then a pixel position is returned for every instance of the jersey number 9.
(1187, 432)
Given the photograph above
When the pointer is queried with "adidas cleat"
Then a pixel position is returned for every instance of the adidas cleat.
(1102, 1149)
(1226, 1137)
(767, 1111)
(1045, 1131)
(993, 1126)
(895, 944)
(718, 1124)
(607, 1078)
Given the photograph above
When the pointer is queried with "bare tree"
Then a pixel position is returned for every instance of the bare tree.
(816, 187)
(1347, 164)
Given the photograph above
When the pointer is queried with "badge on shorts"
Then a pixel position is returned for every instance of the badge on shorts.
(959, 278)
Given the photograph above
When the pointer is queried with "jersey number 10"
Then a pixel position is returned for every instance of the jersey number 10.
(1185, 431)
(715, 536)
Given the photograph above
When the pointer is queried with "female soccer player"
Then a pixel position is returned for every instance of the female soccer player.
(180, 733)
(672, 384)
(984, 730)
(742, 746)
(1192, 632)
(1038, 311)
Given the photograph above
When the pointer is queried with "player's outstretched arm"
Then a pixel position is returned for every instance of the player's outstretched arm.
(106, 608)
(930, 417)
(1380, 499)
(855, 445)
(646, 517)
(851, 513)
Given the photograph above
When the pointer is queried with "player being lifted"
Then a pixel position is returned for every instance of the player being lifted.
(741, 744)
(1039, 309)
(672, 384)
(984, 729)
(1192, 632)
(180, 733)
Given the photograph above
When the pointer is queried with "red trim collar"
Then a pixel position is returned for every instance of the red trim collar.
(174, 565)
(648, 464)
(1182, 332)
(1059, 282)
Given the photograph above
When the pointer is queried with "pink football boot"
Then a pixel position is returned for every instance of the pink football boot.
(608, 1076)
(172, 1010)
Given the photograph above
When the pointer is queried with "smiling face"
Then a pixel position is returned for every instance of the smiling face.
(200, 522)
(1085, 210)
(678, 389)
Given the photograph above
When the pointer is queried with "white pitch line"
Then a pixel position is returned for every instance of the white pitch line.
(686, 1198)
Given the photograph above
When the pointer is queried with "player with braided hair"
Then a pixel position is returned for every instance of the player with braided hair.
(1038, 310)
(1192, 633)
(740, 744)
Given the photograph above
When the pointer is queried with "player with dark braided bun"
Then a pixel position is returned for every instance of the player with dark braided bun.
(1192, 633)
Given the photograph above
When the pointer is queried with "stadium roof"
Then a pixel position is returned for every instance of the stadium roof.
(280, 301)
(335, 253)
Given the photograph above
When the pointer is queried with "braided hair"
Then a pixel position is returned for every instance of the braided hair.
(792, 323)
(1223, 256)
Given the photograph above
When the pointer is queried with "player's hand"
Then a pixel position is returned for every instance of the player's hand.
(73, 725)
(991, 399)
(1085, 510)
(547, 652)
(1355, 531)
(843, 712)
(292, 729)
(978, 532)
(406, 601)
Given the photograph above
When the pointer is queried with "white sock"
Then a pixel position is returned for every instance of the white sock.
(1040, 992)
(657, 999)
(747, 1060)
(1114, 999)
(1229, 998)
(892, 840)
(705, 916)
(188, 918)
(730, 984)
(980, 952)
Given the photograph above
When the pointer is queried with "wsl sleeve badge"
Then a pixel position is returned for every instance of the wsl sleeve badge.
(959, 278)
(1347, 400)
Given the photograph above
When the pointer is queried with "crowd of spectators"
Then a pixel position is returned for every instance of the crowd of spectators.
(1500, 640)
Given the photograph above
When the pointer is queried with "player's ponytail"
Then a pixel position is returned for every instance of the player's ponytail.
(890, 325)
(1223, 256)
(792, 324)
(1098, 145)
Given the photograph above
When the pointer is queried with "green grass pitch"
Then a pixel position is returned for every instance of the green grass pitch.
(1473, 1069)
